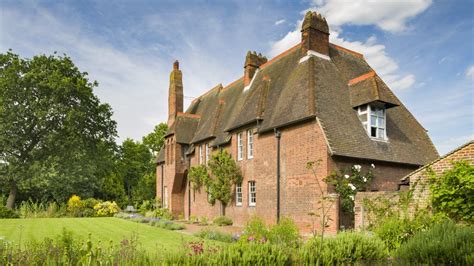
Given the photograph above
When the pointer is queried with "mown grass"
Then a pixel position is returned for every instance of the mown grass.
(152, 239)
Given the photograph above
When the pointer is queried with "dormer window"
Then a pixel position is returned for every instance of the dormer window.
(373, 119)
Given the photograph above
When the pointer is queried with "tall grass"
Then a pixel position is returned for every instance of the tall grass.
(31, 209)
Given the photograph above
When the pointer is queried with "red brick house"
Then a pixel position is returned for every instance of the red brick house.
(315, 101)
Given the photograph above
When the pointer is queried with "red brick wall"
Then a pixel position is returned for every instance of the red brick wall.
(299, 192)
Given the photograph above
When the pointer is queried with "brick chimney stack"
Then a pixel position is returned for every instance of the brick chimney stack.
(315, 34)
(175, 96)
(252, 62)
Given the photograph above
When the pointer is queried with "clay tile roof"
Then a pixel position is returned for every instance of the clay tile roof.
(369, 88)
(184, 127)
(285, 91)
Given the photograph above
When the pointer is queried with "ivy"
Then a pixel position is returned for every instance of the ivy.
(452, 193)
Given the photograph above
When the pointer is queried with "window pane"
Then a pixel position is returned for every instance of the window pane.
(373, 121)
(373, 132)
(380, 122)
(381, 133)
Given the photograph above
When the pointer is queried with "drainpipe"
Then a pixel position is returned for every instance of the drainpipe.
(162, 186)
(278, 137)
(188, 165)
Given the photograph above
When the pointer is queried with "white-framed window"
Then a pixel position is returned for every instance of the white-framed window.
(201, 159)
(208, 153)
(374, 121)
(165, 200)
(252, 193)
(238, 194)
(240, 147)
(250, 144)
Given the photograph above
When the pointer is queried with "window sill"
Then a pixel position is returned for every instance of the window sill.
(378, 139)
(238, 205)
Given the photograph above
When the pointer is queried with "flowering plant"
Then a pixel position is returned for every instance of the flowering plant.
(106, 208)
(348, 182)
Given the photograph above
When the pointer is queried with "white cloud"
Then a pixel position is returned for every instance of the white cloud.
(120, 73)
(278, 22)
(390, 16)
(470, 71)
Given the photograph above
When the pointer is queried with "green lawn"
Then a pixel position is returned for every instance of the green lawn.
(103, 229)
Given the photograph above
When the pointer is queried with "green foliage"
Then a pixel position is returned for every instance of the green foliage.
(7, 213)
(347, 183)
(443, 244)
(394, 231)
(155, 140)
(163, 213)
(452, 192)
(134, 163)
(31, 209)
(197, 176)
(285, 233)
(224, 173)
(106, 208)
(168, 225)
(214, 235)
(203, 221)
(56, 137)
(255, 230)
(222, 221)
(346, 248)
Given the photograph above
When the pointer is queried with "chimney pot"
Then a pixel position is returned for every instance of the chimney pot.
(252, 62)
(315, 33)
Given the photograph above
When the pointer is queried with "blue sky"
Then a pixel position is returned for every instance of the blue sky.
(422, 49)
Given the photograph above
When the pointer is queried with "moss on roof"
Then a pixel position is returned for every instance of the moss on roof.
(285, 91)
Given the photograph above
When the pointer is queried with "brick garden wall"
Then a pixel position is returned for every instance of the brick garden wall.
(418, 184)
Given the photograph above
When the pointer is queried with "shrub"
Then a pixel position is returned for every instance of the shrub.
(285, 233)
(168, 225)
(88, 207)
(222, 221)
(6, 213)
(394, 230)
(343, 249)
(451, 193)
(162, 213)
(443, 244)
(214, 235)
(255, 230)
(74, 205)
(203, 221)
(106, 208)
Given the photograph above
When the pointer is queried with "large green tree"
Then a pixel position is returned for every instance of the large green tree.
(155, 140)
(53, 129)
(134, 164)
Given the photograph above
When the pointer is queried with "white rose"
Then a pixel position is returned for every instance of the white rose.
(352, 186)
(346, 176)
(372, 165)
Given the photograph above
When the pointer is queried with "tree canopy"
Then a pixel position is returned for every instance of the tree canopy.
(54, 132)
(155, 140)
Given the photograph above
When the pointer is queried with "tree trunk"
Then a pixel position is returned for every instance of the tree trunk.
(222, 209)
(12, 195)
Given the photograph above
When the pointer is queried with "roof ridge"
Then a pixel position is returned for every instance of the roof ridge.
(231, 84)
(218, 87)
(340, 48)
(274, 59)
(362, 78)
